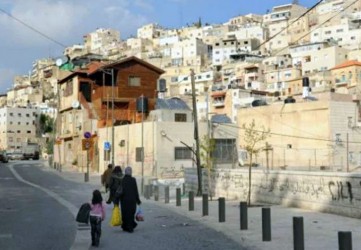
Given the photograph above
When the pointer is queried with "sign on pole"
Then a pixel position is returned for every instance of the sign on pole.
(107, 146)
(87, 144)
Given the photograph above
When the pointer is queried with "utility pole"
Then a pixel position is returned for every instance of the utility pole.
(113, 146)
(196, 136)
(142, 186)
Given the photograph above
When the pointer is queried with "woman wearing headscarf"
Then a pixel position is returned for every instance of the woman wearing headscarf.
(115, 181)
(129, 200)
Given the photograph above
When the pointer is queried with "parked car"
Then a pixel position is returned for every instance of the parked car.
(4, 157)
(15, 156)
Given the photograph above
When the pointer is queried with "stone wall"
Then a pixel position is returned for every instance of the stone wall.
(332, 192)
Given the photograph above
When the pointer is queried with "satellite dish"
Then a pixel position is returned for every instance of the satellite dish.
(61, 60)
(75, 104)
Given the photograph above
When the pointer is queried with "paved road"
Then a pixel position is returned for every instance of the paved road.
(39, 207)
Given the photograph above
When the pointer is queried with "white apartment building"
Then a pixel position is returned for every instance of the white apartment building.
(317, 57)
(346, 34)
(95, 41)
(202, 80)
(18, 126)
(284, 12)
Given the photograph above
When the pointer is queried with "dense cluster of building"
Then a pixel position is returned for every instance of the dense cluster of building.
(294, 70)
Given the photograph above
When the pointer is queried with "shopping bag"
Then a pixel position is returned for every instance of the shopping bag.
(116, 219)
(139, 216)
(83, 213)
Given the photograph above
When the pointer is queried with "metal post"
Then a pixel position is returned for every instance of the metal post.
(221, 209)
(166, 194)
(205, 204)
(191, 201)
(298, 238)
(196, 136)
(266, 224)
(243, 215)
(156, 193)
(178, 192)
(345, 240)
(86, 175)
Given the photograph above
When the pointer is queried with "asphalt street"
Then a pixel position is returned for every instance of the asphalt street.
(37, 212)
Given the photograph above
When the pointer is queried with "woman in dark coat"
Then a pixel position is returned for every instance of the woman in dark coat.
(129, 200)
(115, 181)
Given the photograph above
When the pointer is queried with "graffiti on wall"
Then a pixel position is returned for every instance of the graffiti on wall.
(334, 189)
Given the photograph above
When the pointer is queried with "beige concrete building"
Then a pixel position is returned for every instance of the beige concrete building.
(149, 31)
(309, 135)
(18, 126)
(95, 41)
(346, 78)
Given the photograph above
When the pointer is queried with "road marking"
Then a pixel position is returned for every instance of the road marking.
(6, 236)
(79, 241)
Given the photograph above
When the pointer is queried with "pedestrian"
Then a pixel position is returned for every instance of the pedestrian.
(106, 177)
(97, 215)
(115, 182)
(129, 200)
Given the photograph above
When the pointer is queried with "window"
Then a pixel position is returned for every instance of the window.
(138, 154)
(339, 30)
(28, 131)
(225, 151)
(134, 81)
(18, 131)
(182, 153)
(27, 115)
(327, 32)
(180, 117)
(19, 123)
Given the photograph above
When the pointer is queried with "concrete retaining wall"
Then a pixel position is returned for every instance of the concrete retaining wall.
(332, 192)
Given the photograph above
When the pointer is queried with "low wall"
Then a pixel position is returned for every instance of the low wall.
(332, 192)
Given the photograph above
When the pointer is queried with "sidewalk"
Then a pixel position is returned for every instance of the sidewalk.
(320, 229)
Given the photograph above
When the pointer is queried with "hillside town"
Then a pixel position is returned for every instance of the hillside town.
(151, 101)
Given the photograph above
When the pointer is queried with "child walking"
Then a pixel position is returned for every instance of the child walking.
(97, 215)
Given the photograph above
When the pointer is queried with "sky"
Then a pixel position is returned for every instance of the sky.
(66, 21)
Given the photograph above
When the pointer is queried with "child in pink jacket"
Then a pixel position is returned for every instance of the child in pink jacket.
(97, 215)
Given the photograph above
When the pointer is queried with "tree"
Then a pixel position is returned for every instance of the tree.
(252, 139)
(207, 148)
(46, 124)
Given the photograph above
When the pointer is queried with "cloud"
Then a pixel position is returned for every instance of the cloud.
(6, 79)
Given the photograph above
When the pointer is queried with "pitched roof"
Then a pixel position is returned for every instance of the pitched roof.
(133, 58)
(347, 64)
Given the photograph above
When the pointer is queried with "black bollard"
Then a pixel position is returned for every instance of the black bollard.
(156, 193)
(344, 240)
(151, 190)
(298, 238)
(178, 192)
(221, 209)
(205, 204)
(146, 190)
(266, 224)
(166, 194)
(243, 215)
(191, 201)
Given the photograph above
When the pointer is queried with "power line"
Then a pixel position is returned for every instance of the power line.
(288, 25)
(319, 26)
(290, 136)
(33, 29)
